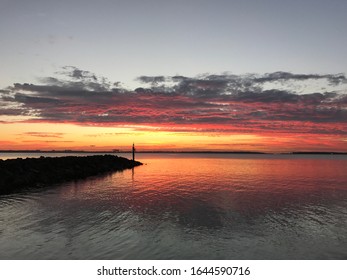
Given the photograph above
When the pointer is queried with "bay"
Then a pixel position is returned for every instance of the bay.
(186, 206)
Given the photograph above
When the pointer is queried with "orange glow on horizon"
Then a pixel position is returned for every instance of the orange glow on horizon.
(53, 136)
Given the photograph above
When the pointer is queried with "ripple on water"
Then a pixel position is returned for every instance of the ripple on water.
(191, 208)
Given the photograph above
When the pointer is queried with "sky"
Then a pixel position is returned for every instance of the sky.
(174, 75)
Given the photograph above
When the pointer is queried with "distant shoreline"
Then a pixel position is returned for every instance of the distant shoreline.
(171, 152)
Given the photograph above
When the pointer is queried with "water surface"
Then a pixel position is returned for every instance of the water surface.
(187, 206)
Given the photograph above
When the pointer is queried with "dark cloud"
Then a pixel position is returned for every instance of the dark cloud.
(285, 76)
(79, 80)
(11, 112)
(151, 79)
(203, 86)
(78, 74)
(266, 96)
(207, 103)
(179, 78)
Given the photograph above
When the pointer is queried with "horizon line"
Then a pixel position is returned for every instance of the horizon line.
(170, 151)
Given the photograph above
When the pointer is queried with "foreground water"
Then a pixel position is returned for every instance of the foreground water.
(186, 206)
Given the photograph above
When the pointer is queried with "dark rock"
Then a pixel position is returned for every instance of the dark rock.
(18, 174)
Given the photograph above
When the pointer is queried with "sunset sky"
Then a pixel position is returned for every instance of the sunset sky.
(217, 75)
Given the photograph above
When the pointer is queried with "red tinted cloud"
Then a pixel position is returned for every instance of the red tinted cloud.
(216, 104)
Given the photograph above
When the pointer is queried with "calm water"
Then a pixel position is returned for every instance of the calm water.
(187, 207)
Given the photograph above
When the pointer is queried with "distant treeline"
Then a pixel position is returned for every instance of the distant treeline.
(18, 174)
(319, 153)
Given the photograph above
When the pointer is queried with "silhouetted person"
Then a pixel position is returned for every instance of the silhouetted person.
(133, 152)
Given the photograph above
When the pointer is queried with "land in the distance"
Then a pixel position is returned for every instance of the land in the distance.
(168, 151)
(18, 174)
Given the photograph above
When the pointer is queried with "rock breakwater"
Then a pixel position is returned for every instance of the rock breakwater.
(18, 174)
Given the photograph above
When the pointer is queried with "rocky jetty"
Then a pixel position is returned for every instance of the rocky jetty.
(18, 174)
